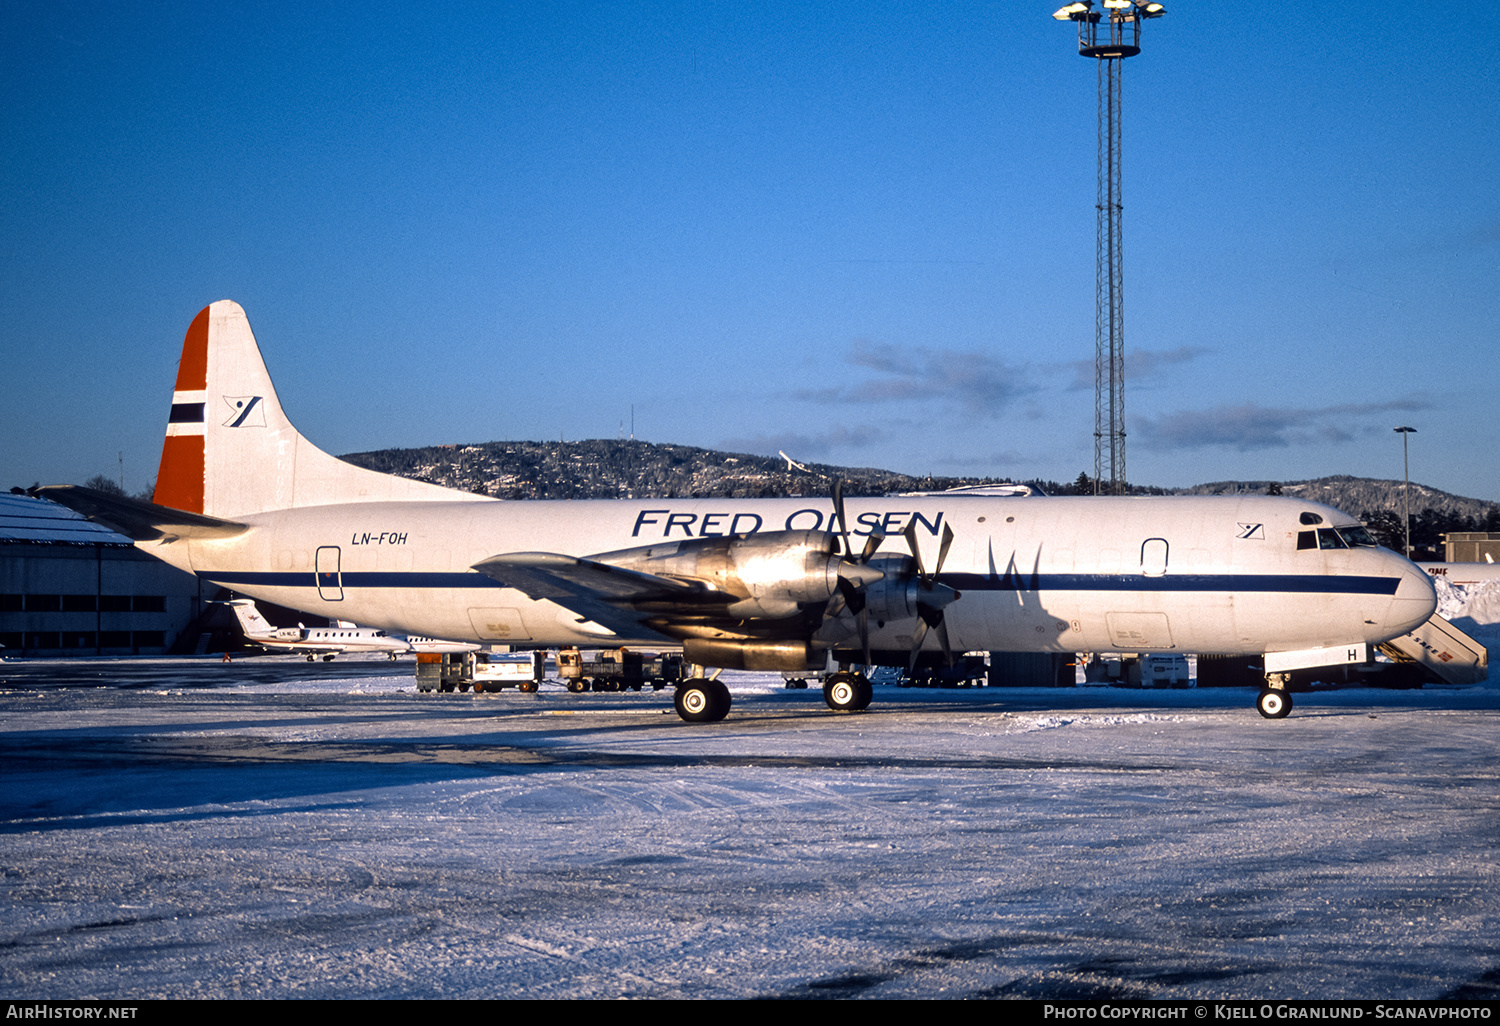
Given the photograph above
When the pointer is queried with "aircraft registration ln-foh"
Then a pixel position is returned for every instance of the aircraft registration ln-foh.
(244, 501)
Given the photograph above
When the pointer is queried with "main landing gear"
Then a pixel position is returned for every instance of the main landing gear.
(1275, 701)
(847, 692)
(701, 700)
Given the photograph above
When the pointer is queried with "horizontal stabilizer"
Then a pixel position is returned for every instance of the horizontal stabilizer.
(1444, 650)
(137, 519)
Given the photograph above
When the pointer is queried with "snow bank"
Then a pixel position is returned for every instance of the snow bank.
(1475, 610)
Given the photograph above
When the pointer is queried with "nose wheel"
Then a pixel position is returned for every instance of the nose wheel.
(1275, 701)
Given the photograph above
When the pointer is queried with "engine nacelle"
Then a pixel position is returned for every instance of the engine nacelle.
(899, 594)
(894, 597)
(771, 575)
(731, 654)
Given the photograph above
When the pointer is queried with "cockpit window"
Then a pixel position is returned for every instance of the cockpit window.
(1357, 536)
(1328, 538)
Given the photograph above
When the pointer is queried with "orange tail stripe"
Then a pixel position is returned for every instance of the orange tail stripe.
(192, 369)
(179, 479)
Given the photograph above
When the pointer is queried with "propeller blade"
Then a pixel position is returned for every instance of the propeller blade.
(942, 629)
(917, 637)
(947, 543)
(864, 633)
(853, 593)
(838, 513)
(910, 534)
(837, 604)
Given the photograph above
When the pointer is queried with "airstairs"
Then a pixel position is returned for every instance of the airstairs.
(1443, 650)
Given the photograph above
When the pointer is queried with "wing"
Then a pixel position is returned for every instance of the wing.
(625, 601)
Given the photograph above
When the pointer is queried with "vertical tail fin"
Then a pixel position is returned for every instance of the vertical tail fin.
(230, 449)
(251, 622)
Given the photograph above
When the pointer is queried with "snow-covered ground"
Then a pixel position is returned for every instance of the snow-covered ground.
(325, 831)
(273, 828)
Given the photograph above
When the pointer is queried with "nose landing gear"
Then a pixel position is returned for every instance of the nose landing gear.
(1275, 701)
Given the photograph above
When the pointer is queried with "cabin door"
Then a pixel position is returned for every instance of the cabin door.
(330, 580)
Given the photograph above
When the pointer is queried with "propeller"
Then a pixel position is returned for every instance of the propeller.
(854, 573)
(932, 597)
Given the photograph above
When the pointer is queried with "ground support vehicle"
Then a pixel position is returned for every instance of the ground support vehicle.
(967, 671)
(482, 671)
(619, 669)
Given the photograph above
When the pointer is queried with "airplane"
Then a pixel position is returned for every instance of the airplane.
(440, 646)
(1463, 573)
(243, 500)
(343, 636)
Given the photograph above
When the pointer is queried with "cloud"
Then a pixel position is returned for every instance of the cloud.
(804, 446)
(1139, 364)
(1247, 426)
(979, 383)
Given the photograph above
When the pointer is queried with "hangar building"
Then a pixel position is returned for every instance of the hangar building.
(70, 587)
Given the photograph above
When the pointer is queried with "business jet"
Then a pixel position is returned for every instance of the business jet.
(244, 501)
(440, 646)
(328, 642)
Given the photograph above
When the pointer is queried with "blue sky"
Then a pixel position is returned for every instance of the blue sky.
(860, 232)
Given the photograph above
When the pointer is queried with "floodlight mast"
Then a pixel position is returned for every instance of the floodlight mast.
(1109, 37)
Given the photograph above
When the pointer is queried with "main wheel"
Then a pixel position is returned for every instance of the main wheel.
(702, 701)
(847, 692)
(1274, 705)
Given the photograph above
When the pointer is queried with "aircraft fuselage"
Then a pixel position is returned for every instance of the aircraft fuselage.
(1136, 574)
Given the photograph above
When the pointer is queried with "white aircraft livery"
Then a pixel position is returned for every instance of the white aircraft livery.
(314, 641)
(244, 501)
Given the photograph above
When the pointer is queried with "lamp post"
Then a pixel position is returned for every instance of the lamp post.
(1109, 37)
(1406, 485)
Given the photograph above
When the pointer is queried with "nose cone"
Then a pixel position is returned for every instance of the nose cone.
(862, 575)
(1414, 602)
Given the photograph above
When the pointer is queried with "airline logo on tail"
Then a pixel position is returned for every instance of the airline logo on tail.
(245, 411)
